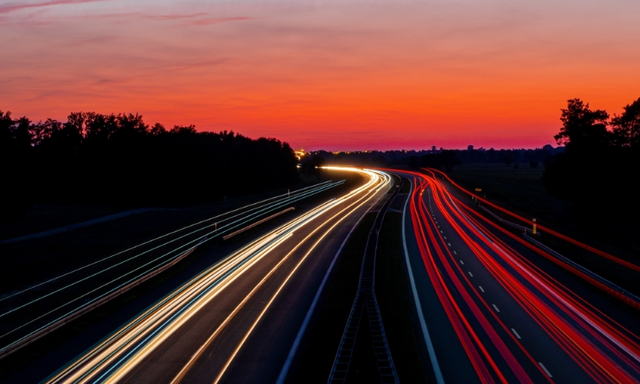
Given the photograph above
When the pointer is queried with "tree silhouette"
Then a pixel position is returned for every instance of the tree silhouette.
(312, 167)
(597, 170)
(444, 160)
(626, 127)
(16, 163)
(109, 158)
(582, 128)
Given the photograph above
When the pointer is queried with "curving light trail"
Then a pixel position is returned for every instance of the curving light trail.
(597, 347)
(116, 356)
(27, 314)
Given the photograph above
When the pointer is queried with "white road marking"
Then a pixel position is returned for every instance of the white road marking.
(516, 333)
(423, 324)
(445, 237)
(479, 286)
(494, 306)
(455, 253)
(545, 369)
(449, 244)
(470, 274)
(461, 262)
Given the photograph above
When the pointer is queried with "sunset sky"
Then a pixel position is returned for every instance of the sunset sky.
(335, 75)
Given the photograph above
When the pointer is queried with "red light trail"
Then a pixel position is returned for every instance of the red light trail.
(600, 347)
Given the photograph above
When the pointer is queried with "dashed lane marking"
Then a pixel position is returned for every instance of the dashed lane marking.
(545, 369)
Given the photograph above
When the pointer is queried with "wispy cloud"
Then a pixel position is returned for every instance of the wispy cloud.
(176, 16)
(13, 8)
(199, 18)
(97, 40)
(211, 21)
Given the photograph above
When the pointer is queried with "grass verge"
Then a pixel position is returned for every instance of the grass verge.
(394, 298)
(314, 359)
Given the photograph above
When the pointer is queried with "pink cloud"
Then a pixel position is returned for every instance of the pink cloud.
(218, 20)
(13, 8)
(176, 17)
(190, 18)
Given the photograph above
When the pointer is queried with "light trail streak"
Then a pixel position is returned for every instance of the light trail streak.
(358, 203)
(543, 228)
(318, 187)
(564, 306)
(599, 346)
(115, 357)
(555, 292)
(50, 314)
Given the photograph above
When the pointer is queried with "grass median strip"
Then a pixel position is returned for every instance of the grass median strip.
(394, 298)
(315, 357)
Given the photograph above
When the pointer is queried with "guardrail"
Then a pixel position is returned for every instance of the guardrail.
(365, 303)
(248, 227)
(509, 223)
(606, 285)
(233, 222)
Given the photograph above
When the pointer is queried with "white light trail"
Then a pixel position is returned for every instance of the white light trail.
(116, 356)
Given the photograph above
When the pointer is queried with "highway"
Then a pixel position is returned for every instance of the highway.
(37, 310)
(490, 314)
(237, 320)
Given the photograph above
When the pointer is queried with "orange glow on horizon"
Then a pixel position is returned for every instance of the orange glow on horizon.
(332, 76)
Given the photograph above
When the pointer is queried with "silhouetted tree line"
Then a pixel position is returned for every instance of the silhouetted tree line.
(354, 158)
(445, 160)
(96, 158)
(509, 157)
(312, 166)
(601, 164)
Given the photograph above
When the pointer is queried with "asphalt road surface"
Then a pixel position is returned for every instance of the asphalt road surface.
(238, 320)
(489, 314)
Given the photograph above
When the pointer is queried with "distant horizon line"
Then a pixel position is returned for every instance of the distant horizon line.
(425, 149)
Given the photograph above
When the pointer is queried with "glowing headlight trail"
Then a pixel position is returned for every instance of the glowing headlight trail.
(202, 287)
(222, 272)
(113, 358)
(96, 287)
(233, 214)
(360, 202)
